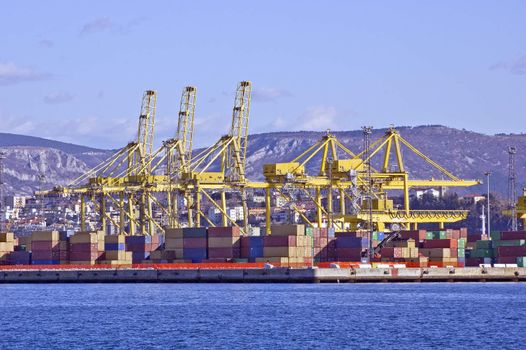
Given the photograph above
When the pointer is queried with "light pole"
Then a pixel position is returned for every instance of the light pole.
(488, 174)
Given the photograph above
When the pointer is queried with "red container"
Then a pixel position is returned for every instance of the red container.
(474, 238)
(387, 252)
(45, 255)
(85, 256)
(506, 260)
(83, 247)
(348, 254)
(195, 242)
(474, 261)
(440, 243)
(512, 235)
(226, 253)
(279, 241)
(45, 245)
(233, 231)
(511, 251)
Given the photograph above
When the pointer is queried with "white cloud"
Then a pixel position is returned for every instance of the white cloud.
(58, 97)
(97, 25)
(315, 118)
(269, 94)
(515, 67)
(11, 74)
(318, 118)
(105, 24)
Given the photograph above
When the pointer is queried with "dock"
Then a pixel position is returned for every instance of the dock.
(263, 275)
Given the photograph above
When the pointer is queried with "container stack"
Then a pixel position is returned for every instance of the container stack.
(400, 251)
(45, 247)
(115, 251)
(287, 244)
(445, 252)
(173, 246)
(7, 246)
(320, 243)
(350, 245)
(508, 247)
(224, 243)
(142, 246)
(187, 244)
(195, 244)
(86, 248)
(251, 247)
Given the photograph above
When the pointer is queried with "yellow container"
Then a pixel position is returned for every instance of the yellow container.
(85, 237)
(45, 236)
(7, 237)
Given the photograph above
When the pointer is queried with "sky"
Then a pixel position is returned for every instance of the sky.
(75, 71)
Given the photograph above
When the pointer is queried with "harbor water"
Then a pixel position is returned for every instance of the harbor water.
(263, 316)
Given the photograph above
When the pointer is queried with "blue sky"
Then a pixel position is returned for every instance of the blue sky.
(75, 70)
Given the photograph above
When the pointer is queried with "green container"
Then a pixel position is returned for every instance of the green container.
(510, 243)
(461, 253)
(375, 236)
(482, 253)
(521, 261)
(239, 260)
(429, 235)
(309, 231)
(483, 244)
(495, 235)
(462, 243)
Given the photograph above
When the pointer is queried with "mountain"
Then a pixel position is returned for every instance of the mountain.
(465, 153)
(32, 162)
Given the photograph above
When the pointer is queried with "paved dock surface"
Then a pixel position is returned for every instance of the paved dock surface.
(275, 275)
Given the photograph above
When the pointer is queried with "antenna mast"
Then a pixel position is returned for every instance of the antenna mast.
(512, 195)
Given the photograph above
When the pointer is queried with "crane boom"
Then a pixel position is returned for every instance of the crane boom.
(239, 131)
(146, 127)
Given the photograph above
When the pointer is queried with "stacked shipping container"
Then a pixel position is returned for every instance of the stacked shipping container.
(7, 246)
(49, 248)
(86, 248)
(224, 243)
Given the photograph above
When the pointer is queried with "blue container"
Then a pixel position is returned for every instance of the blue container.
(255, 252)
(114, 246)
(256, 241)
(331, 232)
(138, 239)
(194, 253)
(194, 232)
(381, 236)
(45, 262)
(351, 242)
(140, 255)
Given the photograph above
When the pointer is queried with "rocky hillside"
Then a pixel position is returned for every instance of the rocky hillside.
(28, 158)
(466, 154)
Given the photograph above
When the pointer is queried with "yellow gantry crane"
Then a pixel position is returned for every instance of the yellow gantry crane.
(129, 179)
(221, 167)
(398, 178)
(349, 178)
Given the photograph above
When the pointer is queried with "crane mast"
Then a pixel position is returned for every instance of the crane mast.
(145, 132)
(239, 132)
